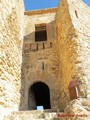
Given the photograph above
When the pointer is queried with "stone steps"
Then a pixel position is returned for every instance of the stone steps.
(34, 115)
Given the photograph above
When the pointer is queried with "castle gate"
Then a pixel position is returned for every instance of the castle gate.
(39, 95)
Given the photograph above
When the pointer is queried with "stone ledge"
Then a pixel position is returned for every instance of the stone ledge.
(42, 11)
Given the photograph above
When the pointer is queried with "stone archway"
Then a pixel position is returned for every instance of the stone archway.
(39, 95)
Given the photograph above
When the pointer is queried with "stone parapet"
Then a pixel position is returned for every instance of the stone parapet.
(42, 11)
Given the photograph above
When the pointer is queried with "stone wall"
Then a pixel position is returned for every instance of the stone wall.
(11, 39)
(67, 46)
(65, 54)
(73, 34)
(33, 58)
(80, 16)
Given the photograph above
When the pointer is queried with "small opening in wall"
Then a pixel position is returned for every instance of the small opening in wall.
(76, 14)
(40, 33)
(37, 46)
(43, 46)
(50, 44)
(43, 67)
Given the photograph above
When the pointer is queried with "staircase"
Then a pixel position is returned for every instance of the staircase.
(34, 115)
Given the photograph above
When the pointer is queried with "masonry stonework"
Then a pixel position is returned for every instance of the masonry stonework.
(67, 47)
(11, 39)
(73, 34)
(63, 57)
(47, 55)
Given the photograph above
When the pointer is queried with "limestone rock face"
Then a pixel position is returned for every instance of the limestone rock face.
(80, 109)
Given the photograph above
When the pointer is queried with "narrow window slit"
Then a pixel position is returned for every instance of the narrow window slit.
(43, 67)
(43, 46)
(50, 44)
(76, 14)
(37, 46)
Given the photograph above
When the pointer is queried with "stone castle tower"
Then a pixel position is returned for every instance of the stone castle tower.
(45, 58)
(39, 48)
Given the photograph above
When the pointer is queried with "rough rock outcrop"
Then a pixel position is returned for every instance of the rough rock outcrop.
(78, 109)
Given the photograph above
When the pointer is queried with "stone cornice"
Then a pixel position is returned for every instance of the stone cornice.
(37, 12)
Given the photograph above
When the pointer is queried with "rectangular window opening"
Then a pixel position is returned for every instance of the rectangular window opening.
(40, 33)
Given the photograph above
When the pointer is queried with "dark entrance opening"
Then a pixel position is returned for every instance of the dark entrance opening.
(41, 95)
(40, 33)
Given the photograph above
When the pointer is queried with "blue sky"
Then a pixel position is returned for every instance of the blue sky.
(40, 4)
(87, 2)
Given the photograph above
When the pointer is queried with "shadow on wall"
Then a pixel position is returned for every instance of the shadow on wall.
(35, 46)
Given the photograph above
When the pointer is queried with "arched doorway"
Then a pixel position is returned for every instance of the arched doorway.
(39, 95)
